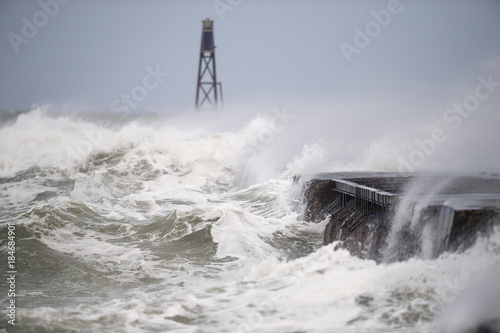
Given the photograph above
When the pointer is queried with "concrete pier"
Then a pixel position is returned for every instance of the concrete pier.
(444, 213)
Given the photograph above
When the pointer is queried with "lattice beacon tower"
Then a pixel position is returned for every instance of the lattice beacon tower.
(208, 89)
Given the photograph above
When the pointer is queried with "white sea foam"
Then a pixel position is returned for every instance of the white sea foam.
(206, 237)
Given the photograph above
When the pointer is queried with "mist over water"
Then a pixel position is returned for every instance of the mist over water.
(192, 223)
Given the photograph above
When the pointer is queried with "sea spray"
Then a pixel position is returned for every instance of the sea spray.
(152, 230)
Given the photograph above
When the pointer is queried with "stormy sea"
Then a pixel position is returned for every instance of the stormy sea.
(165, 223)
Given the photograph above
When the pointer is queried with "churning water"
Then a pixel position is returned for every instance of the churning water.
(146, 226)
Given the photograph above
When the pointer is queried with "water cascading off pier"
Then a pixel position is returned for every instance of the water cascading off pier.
(392, 216)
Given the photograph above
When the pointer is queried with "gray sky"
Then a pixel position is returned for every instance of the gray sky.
(269, 53)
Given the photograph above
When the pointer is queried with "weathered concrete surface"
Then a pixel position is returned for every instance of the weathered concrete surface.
(468, 224)
(318, 195)
(360, 209)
